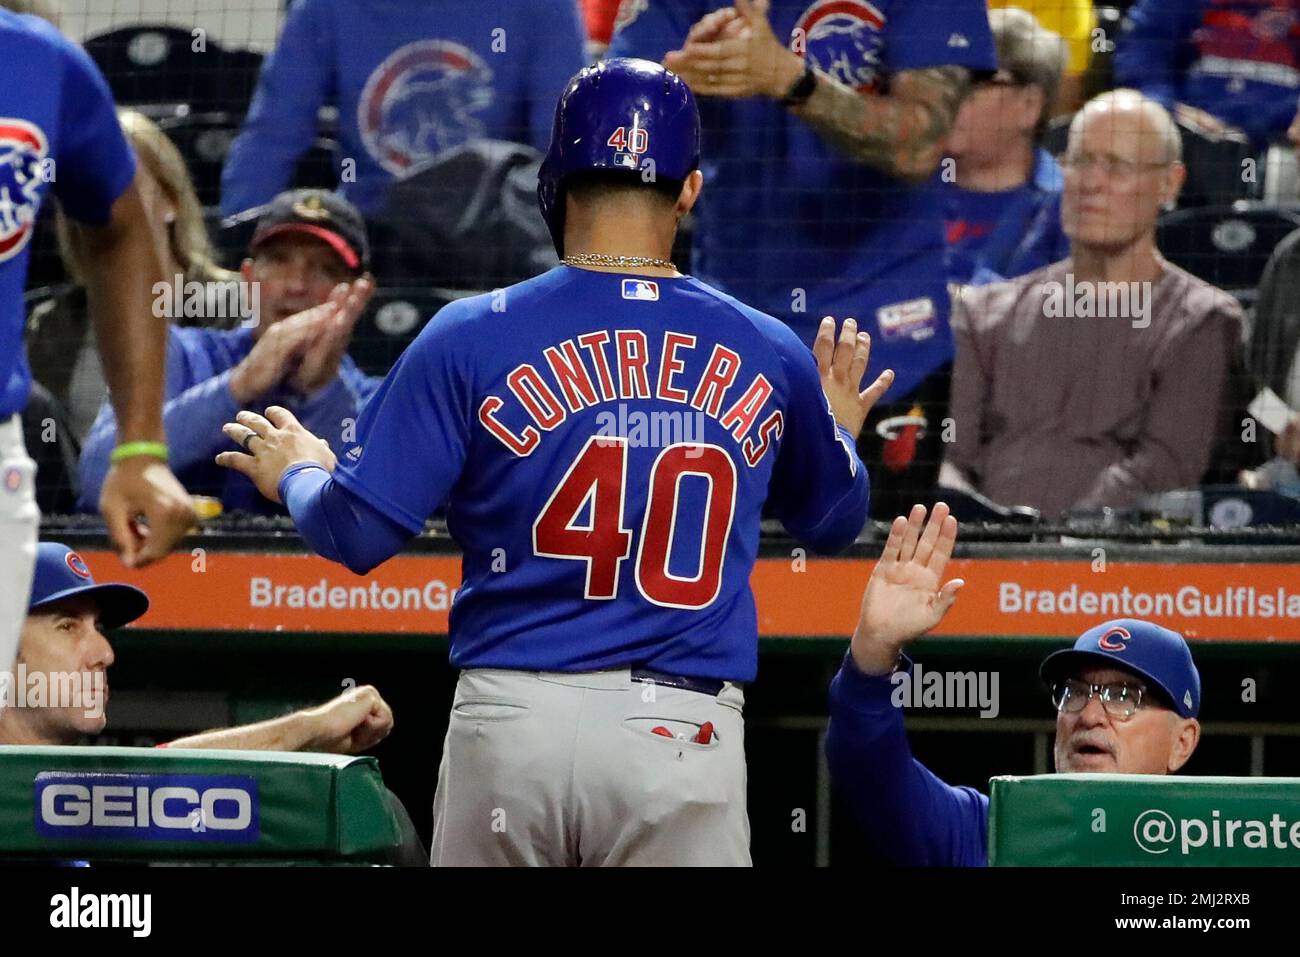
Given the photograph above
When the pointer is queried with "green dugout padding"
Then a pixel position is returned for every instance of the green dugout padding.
(1128, 820)
(195, 804)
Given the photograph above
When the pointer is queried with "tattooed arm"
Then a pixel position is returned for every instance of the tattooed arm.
(901, 133)
(733, 52)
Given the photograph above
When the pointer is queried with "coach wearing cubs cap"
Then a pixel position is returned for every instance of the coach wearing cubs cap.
(307, 284)
(61, 689)
(68, 616)
(1127, 696)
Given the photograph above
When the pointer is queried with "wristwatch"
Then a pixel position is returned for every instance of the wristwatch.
(803, 88)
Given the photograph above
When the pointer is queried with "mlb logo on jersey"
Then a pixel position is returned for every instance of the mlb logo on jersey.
(23, 149)
(643, 289)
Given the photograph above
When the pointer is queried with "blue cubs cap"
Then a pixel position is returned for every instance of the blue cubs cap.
(1157, 654)
(62, 573)
(621, 114)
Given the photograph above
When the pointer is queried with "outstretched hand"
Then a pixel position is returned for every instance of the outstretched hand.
(904, 598)
(841, 365)
(270, 444)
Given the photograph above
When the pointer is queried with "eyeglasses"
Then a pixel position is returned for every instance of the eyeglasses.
(1110, 167)
(1119, 699)
(1000, 79)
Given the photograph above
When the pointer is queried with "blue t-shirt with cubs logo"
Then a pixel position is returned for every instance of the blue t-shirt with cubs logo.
(410, 78)
(798, 230)
(59, 135)
(605, 446)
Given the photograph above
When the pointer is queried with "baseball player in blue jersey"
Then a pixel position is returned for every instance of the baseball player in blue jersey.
(59, 135)
(1127, 696)
(605, 622)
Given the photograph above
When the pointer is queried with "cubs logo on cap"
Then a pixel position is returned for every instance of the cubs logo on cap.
(78, 565)
(1115, 639)
(61, 573)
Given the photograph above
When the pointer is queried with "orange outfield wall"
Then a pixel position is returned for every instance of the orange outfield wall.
(269, 591)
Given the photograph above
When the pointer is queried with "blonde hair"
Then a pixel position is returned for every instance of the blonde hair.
(188, 235)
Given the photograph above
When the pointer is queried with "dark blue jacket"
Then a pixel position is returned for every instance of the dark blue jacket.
(911, 816)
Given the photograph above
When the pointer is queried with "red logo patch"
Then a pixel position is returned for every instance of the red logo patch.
(1114, 639)
(23, 149)
(77, 564)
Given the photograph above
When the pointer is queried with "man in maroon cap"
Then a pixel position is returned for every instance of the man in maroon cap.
(307, 268)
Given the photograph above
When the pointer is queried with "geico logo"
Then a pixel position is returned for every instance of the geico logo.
(110, 805)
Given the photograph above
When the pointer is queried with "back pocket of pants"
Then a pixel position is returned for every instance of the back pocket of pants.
(681, 734)
(489, 709)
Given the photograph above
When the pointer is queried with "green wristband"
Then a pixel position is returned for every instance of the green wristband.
(129, 450)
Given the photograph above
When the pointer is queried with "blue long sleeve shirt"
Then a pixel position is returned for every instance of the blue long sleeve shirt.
(1239, 60)
(198, 402)
(910, 815)
(410, 78)
(1006, 234)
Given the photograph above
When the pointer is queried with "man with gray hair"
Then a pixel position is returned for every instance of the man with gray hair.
(1099, 379)
(1003, 190)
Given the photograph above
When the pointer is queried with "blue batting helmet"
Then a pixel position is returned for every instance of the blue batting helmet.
(619, 114)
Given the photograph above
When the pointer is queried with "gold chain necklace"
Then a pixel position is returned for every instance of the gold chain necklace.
(598, 259)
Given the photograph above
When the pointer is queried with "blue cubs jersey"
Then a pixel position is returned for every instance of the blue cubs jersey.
(792, 226)
(410, 79)
(605, 446)
(58, 134)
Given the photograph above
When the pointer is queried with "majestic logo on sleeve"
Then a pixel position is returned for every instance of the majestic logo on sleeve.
(424, 98)
(843, 38)
(23, 149)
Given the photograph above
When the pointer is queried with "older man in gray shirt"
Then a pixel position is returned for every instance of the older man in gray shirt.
(1099, 379)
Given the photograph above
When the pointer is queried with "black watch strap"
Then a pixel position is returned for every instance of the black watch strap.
(802, 89)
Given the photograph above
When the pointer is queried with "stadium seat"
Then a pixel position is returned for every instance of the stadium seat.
(465, 219)
(1100, 75)
(239, 72)
(394, 317)
(45, 267)
(317, 168)
(1226, 245)
(231, 234)
(155, 63)
(204, 141)
(974, 507)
